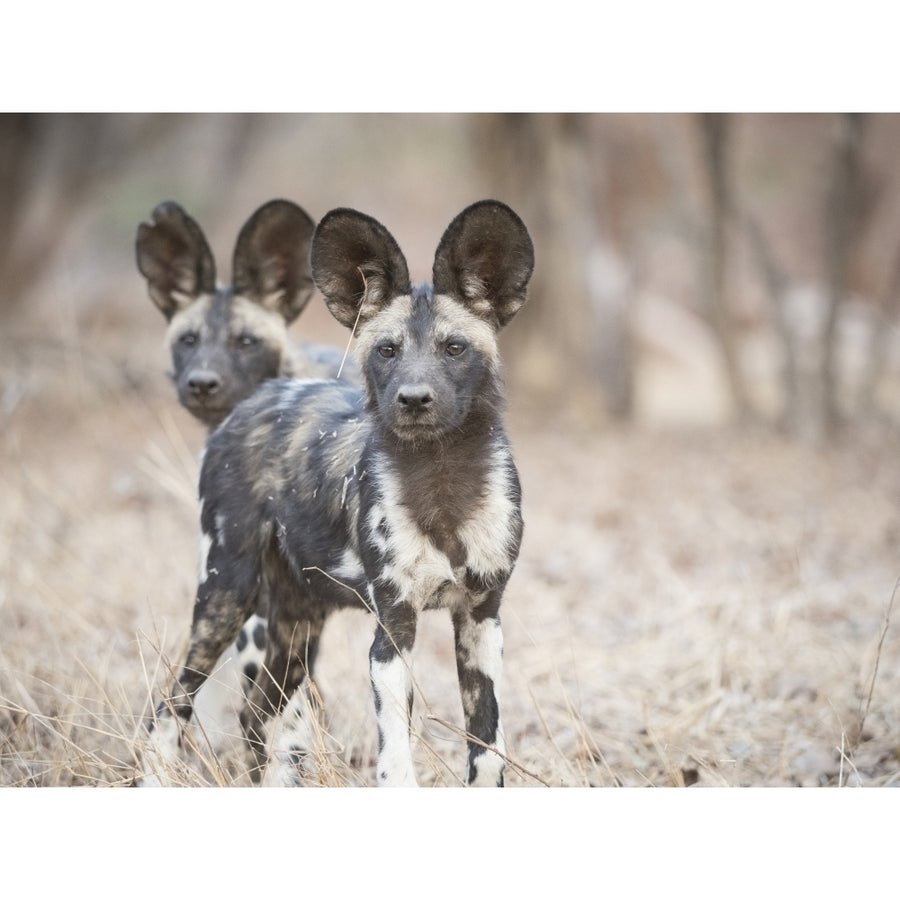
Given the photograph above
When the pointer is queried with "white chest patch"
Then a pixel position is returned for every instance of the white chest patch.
(489, 533)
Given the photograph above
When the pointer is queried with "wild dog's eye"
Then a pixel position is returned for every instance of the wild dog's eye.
(245, 339)
(455, 348)
(387, 350)
(189, 338)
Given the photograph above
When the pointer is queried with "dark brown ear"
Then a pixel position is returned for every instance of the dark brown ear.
(174, 257)
(357, 265)
(271, 258)
(485, 260)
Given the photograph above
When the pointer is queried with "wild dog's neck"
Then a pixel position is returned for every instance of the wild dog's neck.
(442, 484)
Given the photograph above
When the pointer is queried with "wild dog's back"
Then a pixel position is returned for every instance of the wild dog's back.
(284, 466)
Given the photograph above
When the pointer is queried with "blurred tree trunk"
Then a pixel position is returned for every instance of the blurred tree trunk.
(17, 141)
(777, 285)
(715, 133)
(26, 142)
(810, 379)
(842, 214)
(573, 334)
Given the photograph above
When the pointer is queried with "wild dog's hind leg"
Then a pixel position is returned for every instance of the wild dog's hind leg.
(291, 650)
(479, 662)
(225, 599)
(295, 626)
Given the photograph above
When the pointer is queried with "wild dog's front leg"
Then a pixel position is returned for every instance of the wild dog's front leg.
(389, 670)
(479, 662)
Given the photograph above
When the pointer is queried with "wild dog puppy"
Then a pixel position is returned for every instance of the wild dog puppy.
(225, 341)
(399, 498)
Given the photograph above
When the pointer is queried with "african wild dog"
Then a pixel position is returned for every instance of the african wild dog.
(399, 498)
(225, 341)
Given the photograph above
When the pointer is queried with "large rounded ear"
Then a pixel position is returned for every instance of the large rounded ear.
(485, 260)
(357, 265)
(174, 257)
(271, 258)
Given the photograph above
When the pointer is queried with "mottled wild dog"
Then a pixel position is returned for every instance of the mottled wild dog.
(226, 340)
(399, 498)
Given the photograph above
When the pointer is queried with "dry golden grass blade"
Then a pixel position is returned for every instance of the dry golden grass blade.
(885, 625)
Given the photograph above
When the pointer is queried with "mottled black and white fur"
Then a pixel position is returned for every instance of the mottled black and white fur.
(399, 498)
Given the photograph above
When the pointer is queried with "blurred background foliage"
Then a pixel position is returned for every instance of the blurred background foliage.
(691, 268)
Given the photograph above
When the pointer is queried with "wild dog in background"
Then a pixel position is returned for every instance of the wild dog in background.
(225, 341)
(401, 498)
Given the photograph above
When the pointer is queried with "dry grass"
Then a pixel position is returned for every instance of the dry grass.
(709, 608)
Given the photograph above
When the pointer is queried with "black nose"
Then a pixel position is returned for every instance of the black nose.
(415, 397)
(203, 382)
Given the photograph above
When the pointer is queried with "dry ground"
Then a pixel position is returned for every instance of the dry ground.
(690, 607)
